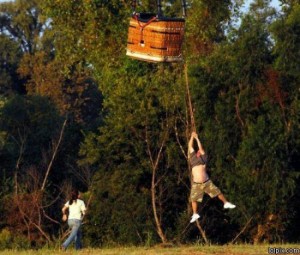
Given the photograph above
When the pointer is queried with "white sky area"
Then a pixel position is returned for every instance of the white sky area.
(274, 3)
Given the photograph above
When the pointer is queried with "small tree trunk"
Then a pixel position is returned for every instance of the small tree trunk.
(154, 208)
(54, 154)
(202, 232)
(154, 165)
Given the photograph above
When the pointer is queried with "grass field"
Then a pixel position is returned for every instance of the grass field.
(180, 250)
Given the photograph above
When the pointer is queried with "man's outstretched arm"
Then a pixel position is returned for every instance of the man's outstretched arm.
(193, 136)
(201, 149)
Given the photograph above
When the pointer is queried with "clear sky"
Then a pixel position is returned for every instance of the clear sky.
(274, 3)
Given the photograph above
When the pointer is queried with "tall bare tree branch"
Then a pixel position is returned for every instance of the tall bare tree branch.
(54, 154)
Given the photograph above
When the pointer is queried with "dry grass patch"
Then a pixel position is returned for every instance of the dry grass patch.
(177, 250)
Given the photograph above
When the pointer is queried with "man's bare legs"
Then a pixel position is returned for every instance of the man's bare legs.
(222, 198)
(227, 205)
(194, 206)
(195, 215)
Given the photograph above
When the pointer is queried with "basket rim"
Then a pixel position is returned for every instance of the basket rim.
(146, 16)
(153, 58)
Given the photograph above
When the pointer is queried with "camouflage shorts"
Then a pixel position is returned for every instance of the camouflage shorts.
(198, 190)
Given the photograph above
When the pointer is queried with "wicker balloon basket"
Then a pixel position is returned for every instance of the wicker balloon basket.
(155, 40)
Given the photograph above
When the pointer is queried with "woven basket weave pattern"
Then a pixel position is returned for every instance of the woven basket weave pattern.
(156, 39)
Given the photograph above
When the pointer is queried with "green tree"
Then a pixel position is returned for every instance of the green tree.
(206, 25)
(10, 54)
(286, 35)
(135, 152)
(241, 109)
(21, 28)
(30, 126)
(22, 21)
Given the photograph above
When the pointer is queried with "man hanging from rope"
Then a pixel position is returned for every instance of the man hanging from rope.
(200, 180)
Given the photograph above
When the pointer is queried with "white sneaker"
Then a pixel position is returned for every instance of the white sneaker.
(229, 205)
(195, 217)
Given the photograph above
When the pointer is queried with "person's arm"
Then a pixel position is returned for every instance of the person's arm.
(201, 149)
(83, 208)
(64, 212)
(190, 145)
(82, 205)
(64, 209)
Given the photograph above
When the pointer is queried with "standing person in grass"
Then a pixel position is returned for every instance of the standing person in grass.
(77, 209)
(201, 182)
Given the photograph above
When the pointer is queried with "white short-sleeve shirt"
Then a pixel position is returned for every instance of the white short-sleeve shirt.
(76, 209)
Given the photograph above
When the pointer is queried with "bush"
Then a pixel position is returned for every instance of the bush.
(10, 241)
(5, 239)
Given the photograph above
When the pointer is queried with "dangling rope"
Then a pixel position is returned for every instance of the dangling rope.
(193, 128)
(190, 106)
(183, 4)
(159, 7)
(133, 6)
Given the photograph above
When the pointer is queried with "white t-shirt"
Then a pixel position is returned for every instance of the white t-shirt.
(76, 209)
